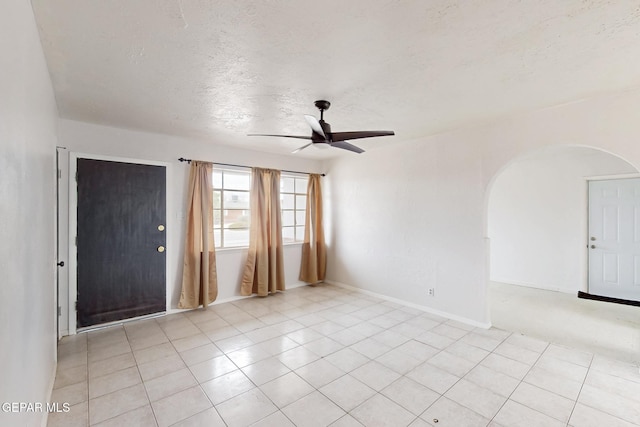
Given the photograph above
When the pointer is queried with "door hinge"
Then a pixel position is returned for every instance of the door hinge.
(76, 240)
(59, 311)
(59, 173)
(76, 176)
(76, 305)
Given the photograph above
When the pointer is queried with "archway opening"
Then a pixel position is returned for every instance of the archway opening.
(537, 225)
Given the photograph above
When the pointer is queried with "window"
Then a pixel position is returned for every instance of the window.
(293, 202)
(231, 207)
(231, 215)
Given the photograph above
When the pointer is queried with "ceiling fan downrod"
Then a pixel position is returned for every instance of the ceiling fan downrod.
(322, 105)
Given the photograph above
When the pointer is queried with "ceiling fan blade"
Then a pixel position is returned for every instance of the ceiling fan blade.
(344, 136)
(347, 146)
(315, 125)
(301, 148)
(281, 136)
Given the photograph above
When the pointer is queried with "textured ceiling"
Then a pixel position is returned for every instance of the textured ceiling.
(219, 70)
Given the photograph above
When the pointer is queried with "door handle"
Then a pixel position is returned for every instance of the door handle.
(61, 264)
(593, 246)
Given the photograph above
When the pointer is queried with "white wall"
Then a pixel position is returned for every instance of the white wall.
(409, 218)
(93, 139)
(538, 217)
(413, 216)
(28, 118)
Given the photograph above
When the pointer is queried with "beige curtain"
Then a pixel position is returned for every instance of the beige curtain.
(314, 252)
(199, 279)
(264, 270)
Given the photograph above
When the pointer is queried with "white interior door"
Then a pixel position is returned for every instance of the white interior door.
(614, 238)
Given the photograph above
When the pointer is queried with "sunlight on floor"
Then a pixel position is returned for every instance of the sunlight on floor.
(609, 329)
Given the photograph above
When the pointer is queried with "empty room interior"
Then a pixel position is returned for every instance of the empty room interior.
(415, 213)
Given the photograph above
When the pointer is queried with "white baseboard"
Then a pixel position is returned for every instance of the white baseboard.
(534, 285)
(182, 310)
(467, 321)
(233, 298)
(216, 302)
(297, 285)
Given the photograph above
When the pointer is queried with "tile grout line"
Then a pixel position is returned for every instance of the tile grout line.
(146, 393)
(88, 401)
(119, 370)
(322, 357)
(238, 368)
(377, 393)
(519, 383)
(580, 391)
(461, 378)
(199, 385)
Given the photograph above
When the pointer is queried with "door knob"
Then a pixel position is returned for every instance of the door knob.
(593, 246)
(161, 227)
(593, 238)
(61, 264)
(160, 248)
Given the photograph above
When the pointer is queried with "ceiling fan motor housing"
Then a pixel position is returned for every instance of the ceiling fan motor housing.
(326, 128)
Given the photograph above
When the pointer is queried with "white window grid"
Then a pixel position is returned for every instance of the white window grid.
(293, 200)
(232, 214)
(231, 224)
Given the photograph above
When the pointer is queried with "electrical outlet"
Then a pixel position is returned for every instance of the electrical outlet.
(432, 292)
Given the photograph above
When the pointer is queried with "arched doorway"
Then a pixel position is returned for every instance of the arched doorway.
(537, 226)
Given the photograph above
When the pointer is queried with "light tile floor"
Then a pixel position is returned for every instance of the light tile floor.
(323, 355)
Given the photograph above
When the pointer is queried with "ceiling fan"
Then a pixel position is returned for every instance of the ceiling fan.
(321, 133)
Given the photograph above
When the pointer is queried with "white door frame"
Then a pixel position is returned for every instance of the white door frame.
(585, 286)
(62, 244)
(73, 227)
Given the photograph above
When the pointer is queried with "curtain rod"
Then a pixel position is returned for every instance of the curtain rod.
(182, 159)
